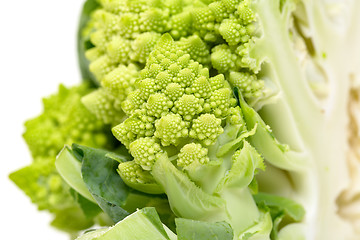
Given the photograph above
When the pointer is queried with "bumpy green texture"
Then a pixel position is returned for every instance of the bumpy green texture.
(183, 141)
(172, 119)
(192, 153)
(105, 103)
(217, 34)
(65, 114)
(145, 152)
(230, 28)
(64, 120)
(126, 31)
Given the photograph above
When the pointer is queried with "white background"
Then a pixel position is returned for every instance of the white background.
(37, 52)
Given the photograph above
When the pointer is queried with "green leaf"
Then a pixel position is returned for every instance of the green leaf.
(266, 144)
(89, 208)
(43, 185)
(276, 225)
(153, 217)
(99, 174)
(188, 229)
(261, 230)
(290, 207)
(243, 168)
(234, 144)
(115, 212)
(83, 40)
(186, 199)
(69, 168)
(143, 224)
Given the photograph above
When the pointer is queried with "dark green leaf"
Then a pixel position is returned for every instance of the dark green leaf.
(121, 154)
(115, 212)
(108, 189)
(100, 176)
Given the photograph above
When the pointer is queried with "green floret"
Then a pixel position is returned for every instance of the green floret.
(246, 60)
(223, 58)
(136, 177)
(168, 69)
(64, 120)
(128, 25)
(113, 6)
(220, 102)
(174, 6)
(185, 77)
(48, 190)
(206, 128)
(158, 105)
(187, 106)
(248, 84)
(137, 125)
(136, 6)
(153, 20)
(174, 69)
(101, 66)
(140, 124)
(180, 25)
(170, 129)
(197, 49)
(147, 87)
(145, 152)
(192, 153)
(118, 50)
(174, 91)
(120, 82)
(164, 78)
(170, 82)
(109, 22)
(217, 82)
(143, 45)
(184, 60)
(203, 22)
(123, 134)
(200, 88)
(233, 31)
(134, 101)
(125, 32)
(245, 13)
(93, 54)
(99, 39)
(219, 10)
(231, 4)
(104, 106)
(151, 72)
(133, 172)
